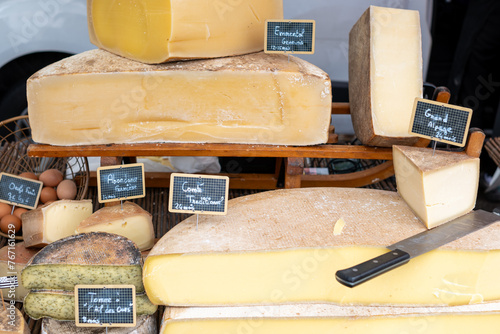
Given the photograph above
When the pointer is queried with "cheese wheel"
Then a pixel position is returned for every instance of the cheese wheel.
(146, 324)
(12, 320)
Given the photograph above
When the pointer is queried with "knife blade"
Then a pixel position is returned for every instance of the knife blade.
(402, 251)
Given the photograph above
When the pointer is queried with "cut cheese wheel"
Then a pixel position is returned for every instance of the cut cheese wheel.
(327, 319)
(255, 98)
(12, 320)
(156, 31)
(54, 221)
(17, 256)
(279, 247)
(437, 185)
(60, 305)
(128, 220)
(385, 75)
(95, 258)
(146, 324)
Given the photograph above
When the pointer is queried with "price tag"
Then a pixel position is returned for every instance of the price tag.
(440, 122)
(105, 306)
(200, 194)
(19, 191)
(115, 183)
(290, 36)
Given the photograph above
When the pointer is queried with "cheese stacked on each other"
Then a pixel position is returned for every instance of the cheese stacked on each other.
(279, 247)
(327, 319)
(12, 320)
(54, 221)
(128, 220)
(155, 31)
(385, 75)
(255, 98)
(19, 256)
(437, 185)
(145, 325)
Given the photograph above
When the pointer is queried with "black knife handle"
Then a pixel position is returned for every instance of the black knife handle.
(365, 271)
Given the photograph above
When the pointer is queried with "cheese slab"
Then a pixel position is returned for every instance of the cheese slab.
(146, 324)
(128, 220)
(437, 185)
(157, 31)
(327, 318)
(279, 247)
(53, 221)
(255, 98)
(95, 258)
(18, 256)
(385, 75)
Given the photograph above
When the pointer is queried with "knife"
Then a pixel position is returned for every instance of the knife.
(402, 251)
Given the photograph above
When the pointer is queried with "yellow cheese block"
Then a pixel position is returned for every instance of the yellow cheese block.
(13, 259)
(385, 75)
(54, 221)
(146, 324)
(279, 247)
(437, 185)
(155, 31)
(99, 98)
(328, 319)
(128, 220)
(12, 320)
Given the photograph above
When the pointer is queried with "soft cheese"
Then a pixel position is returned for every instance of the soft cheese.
(255, 98)
(385, 75)
(17, 256)
(155, 31)
(146, 324)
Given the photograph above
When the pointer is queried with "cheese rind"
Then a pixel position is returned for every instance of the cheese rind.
(19, 256)
(12, 320)
(437, 185)
(385, 75)
(128, 220)
(255, 98)
(156, 31)
(146, 324)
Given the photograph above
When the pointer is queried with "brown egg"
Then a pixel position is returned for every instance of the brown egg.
(48, 194)
(5, 209)
(51, 177)
(19, 211)
(66, 189)
(9, 224)
(29, 175)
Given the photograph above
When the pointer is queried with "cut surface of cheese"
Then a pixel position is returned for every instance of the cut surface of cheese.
(385, 75)
(18, 256)
(54, 221)
(87, 258)
(128, 220)
(279, 247)
(12, 320)
(146, 324)
(437, 185)
(60, 305)
(155, 31)
(255, 98)
(327, 319)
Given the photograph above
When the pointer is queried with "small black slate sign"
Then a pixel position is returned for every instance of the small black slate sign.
(19, 191)
(200, 194)
(290, 36)
(120, 182)
(440, 122)
(105, 306)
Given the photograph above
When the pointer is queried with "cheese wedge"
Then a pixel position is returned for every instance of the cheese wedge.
(129, 220)
(146, 324)
(95, 258)
(12, 320)
(437, 185)
(54, 221)
(60, 305)
(256, 98)
(155, 31)
(13, 259)
(385, 75)
(279, 247)
(327, 319)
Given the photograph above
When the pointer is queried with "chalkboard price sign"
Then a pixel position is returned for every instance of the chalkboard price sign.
(440, 122)
(120, 182)
(200, 194)
(19, 191)
(105, 306)
(290, 36)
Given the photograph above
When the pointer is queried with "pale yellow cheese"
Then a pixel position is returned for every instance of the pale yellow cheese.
(54, 221)
(12, 320)
(13, 259)
(128, 220)
(255, 98)
(155, 31)
(278, 247)
(385, 75)
(437, 185)
(146, 324)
